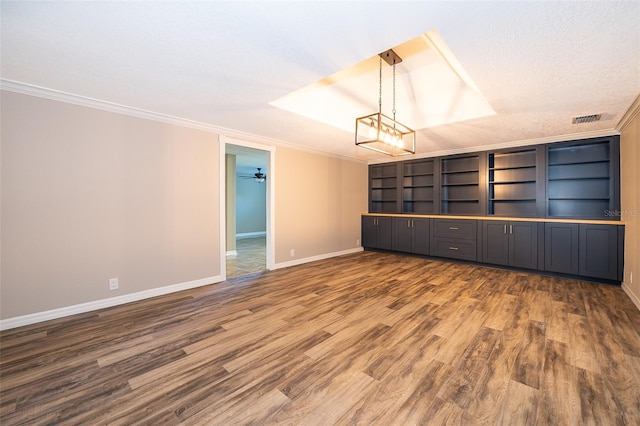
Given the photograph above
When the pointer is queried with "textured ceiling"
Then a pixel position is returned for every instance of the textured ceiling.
(537, 64)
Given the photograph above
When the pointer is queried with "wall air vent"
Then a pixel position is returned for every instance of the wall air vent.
(586, 118)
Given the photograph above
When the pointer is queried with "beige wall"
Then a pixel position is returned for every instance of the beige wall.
(630, 193)
(89, 195)
(318, 204)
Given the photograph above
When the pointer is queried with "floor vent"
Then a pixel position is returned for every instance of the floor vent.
(586, 118)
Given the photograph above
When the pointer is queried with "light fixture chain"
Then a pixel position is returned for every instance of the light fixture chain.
(380, 93)
(394, 91)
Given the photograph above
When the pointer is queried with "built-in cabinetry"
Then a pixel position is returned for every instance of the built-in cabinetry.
(557, 201)
(582, 179)
(383, 188)
(377, 232)
(411, 235)
(418, 183)
(454, 238)
(460, 185)
(514, 183)
(591, 250)
(569, 180)
(510, 243)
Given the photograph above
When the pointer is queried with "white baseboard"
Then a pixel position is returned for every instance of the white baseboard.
(232, 253)
(244, 235)
(104, 303)
(634, 298)
(314, 258)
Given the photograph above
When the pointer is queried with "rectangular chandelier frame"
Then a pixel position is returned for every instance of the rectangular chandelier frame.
(383, 134)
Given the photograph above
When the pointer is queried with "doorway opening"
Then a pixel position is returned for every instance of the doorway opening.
(248, 175)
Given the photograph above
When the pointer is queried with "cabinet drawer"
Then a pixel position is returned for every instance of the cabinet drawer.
(455, 249)
(459, 229)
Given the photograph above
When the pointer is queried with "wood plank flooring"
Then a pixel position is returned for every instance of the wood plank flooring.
(364, 339)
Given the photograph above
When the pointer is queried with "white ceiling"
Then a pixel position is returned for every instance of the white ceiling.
(537, 64)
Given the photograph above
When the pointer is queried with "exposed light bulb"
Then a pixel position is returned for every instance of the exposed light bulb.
(372, 132)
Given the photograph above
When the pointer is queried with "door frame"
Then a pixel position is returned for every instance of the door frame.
(270, 197)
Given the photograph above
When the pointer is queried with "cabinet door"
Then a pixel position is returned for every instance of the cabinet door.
(384, 227)
(402, 235)
(369, 232)
(421, 236)
(599, 251)
(495, 244)
(561, 248)
(523, 244)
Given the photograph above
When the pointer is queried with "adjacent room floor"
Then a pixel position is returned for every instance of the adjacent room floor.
(367, 338)
(251, 257)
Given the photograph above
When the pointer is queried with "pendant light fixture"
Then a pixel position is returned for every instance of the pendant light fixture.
(380, 132)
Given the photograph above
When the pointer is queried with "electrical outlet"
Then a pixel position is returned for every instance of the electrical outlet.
(292, 253)
(631, 277)
(113, 283)
(357, 242)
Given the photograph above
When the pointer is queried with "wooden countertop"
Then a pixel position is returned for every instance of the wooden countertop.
(519, 219)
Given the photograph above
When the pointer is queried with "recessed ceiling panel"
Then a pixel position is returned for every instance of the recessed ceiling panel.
(431, 89)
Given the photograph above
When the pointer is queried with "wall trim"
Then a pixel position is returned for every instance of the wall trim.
(635, 299)
(630, 115)
(103, 303)
(244, 235)
(60, 96)
(318, 257)
(232, 252)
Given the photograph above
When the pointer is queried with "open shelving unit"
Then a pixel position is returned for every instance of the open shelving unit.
(512, 183)
(460, 185)
(418, 187)
(579, 180)
(383, 188)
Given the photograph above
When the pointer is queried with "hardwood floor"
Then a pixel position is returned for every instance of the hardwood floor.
(251, 257)
(368, 338)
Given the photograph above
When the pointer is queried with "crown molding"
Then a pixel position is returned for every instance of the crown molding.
(507, 145)
(60, 96)
(628, 116)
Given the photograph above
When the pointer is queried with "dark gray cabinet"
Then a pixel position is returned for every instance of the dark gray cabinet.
(583, 178)
(577, 179)
(598, 251)
(419, 186)
(460, 189)
(510, 243)
(376, 232)
(384, 196)
(454, 238)
(411, 235)
(589, 250)
(516, 183)
(561, 248)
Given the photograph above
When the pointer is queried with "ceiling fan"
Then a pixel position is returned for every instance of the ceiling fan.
(258, 177)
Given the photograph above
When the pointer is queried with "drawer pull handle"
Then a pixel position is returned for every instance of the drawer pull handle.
(453, 248)
(453, 228)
